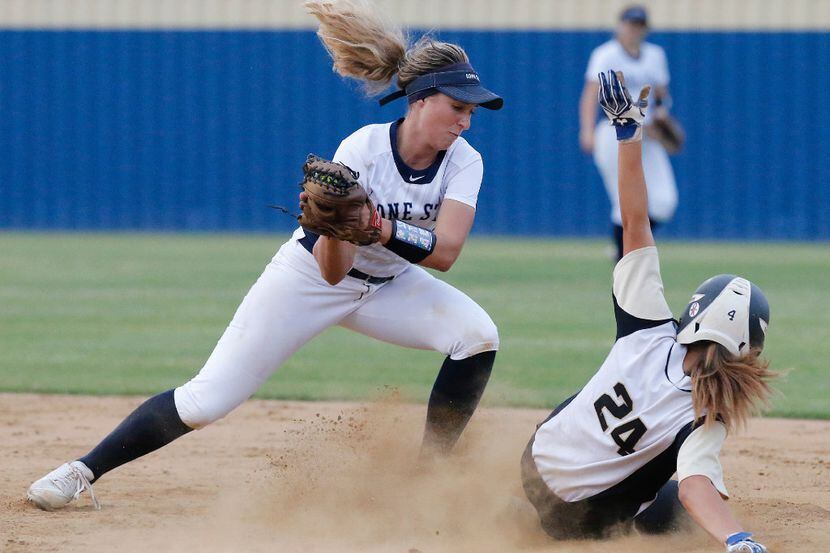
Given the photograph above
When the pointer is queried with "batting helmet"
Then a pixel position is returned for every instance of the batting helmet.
(729, 310)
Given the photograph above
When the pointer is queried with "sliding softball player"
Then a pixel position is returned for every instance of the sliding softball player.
(665, 396)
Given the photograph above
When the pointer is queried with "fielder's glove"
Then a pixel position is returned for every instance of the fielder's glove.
(742, 542)
(667, 131)
(335, 204)
(615, 101)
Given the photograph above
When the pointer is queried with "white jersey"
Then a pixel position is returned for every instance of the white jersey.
(402, 193)
(632, 425)
(650, 67)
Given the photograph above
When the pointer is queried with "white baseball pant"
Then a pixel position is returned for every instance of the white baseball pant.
(290, 304)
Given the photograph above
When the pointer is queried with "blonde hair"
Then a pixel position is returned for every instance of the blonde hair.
(368, 47)
(728, 387)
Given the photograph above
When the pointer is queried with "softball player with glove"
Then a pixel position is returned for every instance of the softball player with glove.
(665, 396)
(642, 62)
(407, 191)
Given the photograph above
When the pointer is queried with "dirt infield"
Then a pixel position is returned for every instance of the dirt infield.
(326, 477)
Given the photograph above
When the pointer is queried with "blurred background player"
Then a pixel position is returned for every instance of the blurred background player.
(642, 63)
(664, 397)
(424, 179)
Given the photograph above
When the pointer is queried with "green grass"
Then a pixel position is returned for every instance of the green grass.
(139, 313)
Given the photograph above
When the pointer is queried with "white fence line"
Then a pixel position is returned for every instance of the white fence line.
(461, 14)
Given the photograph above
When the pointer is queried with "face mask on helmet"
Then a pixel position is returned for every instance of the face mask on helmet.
(729, 310)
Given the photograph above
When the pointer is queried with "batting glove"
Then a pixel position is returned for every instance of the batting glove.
(615, 101)
(742, 542)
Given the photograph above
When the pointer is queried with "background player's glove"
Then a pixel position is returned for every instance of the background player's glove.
(626, 116)
(335, 204)
(742, 542)
(667, 131)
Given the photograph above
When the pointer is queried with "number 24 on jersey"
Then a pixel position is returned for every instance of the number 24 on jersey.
(627, 434)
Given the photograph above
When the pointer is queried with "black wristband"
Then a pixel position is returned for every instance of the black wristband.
(410, 242)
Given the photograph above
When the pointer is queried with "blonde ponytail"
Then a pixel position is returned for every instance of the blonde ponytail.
(368, 47)
(729, 388)
(362, 42)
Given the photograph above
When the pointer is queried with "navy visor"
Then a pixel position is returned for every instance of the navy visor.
(458, 81)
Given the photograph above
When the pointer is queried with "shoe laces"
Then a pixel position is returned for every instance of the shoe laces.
(76, 477)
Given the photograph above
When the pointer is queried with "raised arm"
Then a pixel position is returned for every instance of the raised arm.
(627, 118)
(633, 198)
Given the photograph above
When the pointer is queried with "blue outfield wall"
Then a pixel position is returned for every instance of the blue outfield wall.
(200, 130)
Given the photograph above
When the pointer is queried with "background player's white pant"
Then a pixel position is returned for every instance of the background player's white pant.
(290, 304)
(662, 189)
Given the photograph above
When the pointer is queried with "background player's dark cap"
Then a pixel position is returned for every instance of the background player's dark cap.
(635, 14)
(458, 81)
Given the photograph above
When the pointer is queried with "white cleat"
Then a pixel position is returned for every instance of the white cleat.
(64, 484)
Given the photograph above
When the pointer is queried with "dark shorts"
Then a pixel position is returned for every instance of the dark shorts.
(602, 515)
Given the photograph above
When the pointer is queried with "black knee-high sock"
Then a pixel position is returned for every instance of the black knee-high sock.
(155, 423)
(454, 398)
